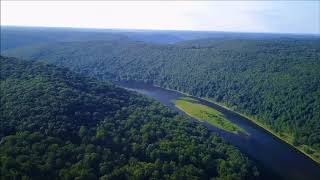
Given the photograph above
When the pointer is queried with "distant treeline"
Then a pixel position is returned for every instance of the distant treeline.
(15, 36)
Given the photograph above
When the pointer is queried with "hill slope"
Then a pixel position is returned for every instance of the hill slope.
(276, 80)
(56, 124)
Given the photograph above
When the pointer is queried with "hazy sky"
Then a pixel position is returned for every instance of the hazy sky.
(248, 16)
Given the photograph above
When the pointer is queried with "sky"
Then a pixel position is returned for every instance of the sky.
(301, 17)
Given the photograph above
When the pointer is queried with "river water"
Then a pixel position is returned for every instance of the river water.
(275, 158)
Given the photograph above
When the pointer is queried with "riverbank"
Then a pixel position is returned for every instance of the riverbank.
(284, 137)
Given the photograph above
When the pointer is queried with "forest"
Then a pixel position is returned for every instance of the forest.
(276, 80)
(58, 124)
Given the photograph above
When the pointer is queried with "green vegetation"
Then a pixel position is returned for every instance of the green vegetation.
(307, 150)
(275, 80)
(206, 113)
(56, 124)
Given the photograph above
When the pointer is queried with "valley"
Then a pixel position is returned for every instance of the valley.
(239, 105)
(277, 159)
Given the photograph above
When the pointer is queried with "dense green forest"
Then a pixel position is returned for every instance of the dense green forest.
(56, 124)
(275, 79)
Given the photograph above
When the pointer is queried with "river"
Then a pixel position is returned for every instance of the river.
(275, 158)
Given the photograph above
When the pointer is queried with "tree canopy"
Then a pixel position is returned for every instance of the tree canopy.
(57, 124)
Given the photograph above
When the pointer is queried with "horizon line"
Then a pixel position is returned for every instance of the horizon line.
(151, 29)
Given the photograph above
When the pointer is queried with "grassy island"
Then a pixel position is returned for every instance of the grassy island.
(205, 113)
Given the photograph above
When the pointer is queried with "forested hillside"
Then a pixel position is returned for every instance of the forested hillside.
(276, 79)
(56, 124)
